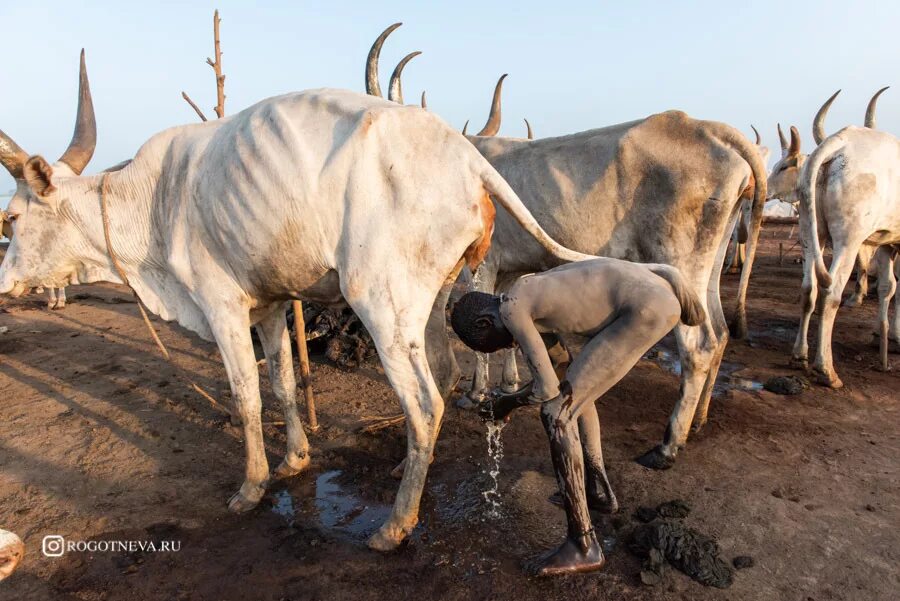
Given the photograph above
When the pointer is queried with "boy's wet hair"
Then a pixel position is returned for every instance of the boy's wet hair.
(479, 337)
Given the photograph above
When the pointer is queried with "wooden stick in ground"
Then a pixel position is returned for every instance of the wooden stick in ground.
(303, 356)
(217, 68)
(193, 106)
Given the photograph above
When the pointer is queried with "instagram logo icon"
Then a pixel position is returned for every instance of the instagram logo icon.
(53, 545)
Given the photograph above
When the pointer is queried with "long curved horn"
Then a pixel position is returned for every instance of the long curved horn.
(530, 133)
(395, 90)
(870, 110)
(493, 123)
(372, 86)
(422, 102)
(84, 140)
(12, 156)
(794, 148)
(782, 140)
(819, 121)
(465, 127)
(758, 138)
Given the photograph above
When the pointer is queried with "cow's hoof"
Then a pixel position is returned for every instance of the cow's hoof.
(829, 378)
(655, 459)
(800, 363)
(853, 301)
(246, 499)
(509, 387)
(386, 539)
(11, 552)
(291, 466)
(467, 402)
(697, 426)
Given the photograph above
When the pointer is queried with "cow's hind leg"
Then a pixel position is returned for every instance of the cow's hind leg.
(841, 266)
(276, 342)
(397, 328)
(437, 344)
(696, 348)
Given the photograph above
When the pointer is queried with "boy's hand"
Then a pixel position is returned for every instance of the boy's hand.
(499, 406)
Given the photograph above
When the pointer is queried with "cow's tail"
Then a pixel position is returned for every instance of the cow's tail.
(506, 196)
(806, 192)
(749, 152)
(692, 312)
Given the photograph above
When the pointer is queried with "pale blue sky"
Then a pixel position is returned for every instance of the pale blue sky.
(572, 65)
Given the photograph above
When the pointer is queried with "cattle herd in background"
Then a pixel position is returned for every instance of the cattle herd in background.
(664, 189)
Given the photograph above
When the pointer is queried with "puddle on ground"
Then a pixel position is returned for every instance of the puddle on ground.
(335, 506)
(725, 381)
(283, 504)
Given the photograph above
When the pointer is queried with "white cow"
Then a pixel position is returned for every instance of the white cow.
(328, 196)
(663, 189)
(848, 189)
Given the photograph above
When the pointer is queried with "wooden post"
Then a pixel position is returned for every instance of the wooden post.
(303, 356)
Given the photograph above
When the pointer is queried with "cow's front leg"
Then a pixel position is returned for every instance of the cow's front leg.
(863, 263)
(887, 286)
(276, 341)
(230, 324)
(483, 280)
(510, 382)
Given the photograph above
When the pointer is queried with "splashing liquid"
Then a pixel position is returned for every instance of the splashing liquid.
(495, 454)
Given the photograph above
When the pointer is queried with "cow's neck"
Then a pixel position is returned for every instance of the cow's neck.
(128, 207)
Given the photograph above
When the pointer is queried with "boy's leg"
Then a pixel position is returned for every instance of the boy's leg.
(605, 360)
(600, 495)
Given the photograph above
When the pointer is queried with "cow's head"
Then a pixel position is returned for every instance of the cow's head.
(35, 220)
(783, 179)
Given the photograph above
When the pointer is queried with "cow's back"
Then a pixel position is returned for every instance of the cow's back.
(661, 189)
(287, 189)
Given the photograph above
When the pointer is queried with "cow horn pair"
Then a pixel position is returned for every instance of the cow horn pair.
(788, 149)
(80, 149)
(395, 89)
(819, 121)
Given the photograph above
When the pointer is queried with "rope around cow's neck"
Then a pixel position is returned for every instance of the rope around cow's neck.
(159, 343)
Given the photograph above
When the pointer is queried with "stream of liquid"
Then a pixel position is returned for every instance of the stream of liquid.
(495, 454)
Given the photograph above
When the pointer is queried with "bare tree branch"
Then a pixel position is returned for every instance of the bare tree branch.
(217, 68)
(193, 106)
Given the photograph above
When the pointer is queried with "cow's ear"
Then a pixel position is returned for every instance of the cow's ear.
(39, 175)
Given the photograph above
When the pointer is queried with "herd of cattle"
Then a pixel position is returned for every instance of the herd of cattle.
(339, 197)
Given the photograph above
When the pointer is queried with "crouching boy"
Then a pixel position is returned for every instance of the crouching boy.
(623, 309)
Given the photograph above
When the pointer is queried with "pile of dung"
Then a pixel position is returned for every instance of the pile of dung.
(336, 333)
(662, 541)
(696, 555)
(786, 384)
(670, 509)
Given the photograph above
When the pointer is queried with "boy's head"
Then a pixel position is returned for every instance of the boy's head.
(476, 320)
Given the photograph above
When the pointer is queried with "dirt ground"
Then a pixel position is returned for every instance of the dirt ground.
(100, 441)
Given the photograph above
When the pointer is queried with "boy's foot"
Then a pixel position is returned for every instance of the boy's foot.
(571, 559)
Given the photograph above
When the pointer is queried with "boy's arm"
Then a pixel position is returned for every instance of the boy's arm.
(520, 324)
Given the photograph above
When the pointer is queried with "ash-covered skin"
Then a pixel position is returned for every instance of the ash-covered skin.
(624, 308)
